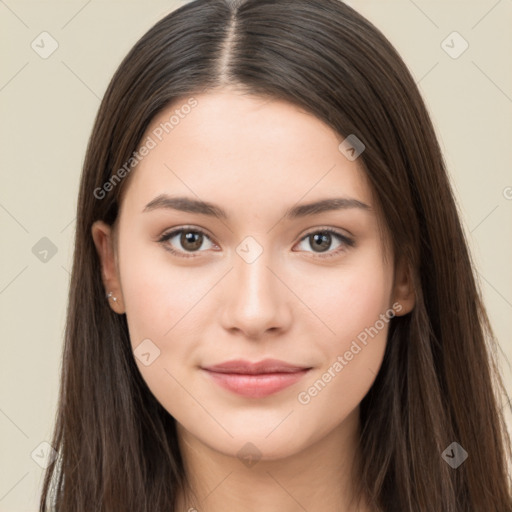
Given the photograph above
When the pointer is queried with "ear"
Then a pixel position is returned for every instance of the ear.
(403, 289)
(102, 235)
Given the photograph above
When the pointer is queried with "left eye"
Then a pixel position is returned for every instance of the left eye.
(322, 240)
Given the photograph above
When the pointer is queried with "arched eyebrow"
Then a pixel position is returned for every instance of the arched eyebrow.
(191, 205)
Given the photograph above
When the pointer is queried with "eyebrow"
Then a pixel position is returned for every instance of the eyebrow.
(187, 204)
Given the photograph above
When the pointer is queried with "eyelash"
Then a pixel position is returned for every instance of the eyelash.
(346, 241)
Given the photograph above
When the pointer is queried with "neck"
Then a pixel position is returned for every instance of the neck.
(318, 478)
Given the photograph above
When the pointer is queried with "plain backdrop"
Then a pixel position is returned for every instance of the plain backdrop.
(47, 107)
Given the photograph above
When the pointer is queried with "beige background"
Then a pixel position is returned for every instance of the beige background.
(47, 107)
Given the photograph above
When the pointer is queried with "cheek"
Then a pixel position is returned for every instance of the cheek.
(157, 294)
(159, 301)
(353, 305)
(359, 304)
(164, 304)
(348, 299)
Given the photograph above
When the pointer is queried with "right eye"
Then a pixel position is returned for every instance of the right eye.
(191, 239)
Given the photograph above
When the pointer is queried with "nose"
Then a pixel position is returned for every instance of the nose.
(256, 301)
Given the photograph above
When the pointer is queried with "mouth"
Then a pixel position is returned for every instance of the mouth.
(255, 380)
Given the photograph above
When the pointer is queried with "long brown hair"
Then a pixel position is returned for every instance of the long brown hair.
(439, 382)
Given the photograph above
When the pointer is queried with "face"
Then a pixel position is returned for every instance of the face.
(268, 278)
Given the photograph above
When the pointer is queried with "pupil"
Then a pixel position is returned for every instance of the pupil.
(192, 238)
(323, 237)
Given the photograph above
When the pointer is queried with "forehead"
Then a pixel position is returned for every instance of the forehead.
(246, 152)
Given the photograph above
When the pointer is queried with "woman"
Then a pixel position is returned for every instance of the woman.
(272, 306)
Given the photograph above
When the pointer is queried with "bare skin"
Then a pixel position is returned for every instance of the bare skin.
(295, 449)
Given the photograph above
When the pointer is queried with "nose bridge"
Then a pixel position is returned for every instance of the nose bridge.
(255, 299)
(253, 277)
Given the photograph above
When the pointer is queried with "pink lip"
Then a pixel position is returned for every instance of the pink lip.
(256, 380)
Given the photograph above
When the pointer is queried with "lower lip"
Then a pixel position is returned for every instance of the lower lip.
(256, 386)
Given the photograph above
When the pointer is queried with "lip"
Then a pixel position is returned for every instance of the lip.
(256, 380)
(242, 366)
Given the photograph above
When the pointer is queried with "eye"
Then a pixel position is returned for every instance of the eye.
(190, 239)
(322, 239)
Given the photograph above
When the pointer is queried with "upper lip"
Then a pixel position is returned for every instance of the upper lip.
(259, 367)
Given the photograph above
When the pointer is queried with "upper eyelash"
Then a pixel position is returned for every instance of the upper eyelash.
(346, 240)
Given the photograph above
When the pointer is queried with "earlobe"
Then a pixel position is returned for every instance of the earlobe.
(102, 235)
(404, 295)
